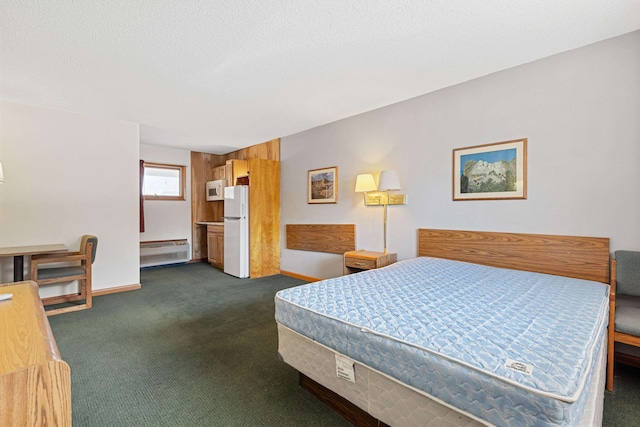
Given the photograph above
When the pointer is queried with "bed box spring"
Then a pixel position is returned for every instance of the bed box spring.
(463, 333)
(395, 403)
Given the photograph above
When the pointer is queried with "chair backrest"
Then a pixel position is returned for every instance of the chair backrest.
(628, 273)
(87, 238)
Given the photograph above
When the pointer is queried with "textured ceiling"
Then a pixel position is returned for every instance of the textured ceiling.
(215, 76)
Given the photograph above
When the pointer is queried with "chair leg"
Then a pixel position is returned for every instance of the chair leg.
(82, 288)
(610, 362)
(88, 291)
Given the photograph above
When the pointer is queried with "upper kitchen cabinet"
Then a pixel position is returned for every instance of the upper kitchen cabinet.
(235, 168)
(219, 172)
(230, 171)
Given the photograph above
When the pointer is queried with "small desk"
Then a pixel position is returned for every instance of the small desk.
(18, 253)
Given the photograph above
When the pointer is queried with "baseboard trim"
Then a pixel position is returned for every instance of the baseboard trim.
(116, 289)
(300, 276)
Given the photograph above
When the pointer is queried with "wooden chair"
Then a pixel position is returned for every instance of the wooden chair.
(624, 308)
(77, 266)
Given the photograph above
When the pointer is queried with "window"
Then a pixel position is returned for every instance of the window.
(163, 182)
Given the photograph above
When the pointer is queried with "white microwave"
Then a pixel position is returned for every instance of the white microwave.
(215, 190)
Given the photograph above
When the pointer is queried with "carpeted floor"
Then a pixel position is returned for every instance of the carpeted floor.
(196, 347)
(622, 407)
(193, 347)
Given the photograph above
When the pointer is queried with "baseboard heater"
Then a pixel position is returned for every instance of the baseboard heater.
(164, 252)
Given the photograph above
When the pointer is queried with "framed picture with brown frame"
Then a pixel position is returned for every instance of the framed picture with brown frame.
(323, 185)
(491, 171)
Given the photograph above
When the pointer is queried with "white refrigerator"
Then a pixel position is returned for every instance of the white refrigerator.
(236, 231)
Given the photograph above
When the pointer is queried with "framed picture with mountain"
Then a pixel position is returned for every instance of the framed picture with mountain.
(491, 171)
(323, 185)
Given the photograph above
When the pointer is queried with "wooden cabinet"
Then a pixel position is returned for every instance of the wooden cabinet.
(234, 169)
(215, 244)
(219, 173)
(230, 171)
(356, 261)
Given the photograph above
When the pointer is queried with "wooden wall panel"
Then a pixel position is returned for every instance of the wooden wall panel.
(332, 238)
(264, 214)
(269, 150)
(571, 256)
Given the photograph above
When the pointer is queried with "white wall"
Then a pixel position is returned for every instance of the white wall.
(579, 110)
(67, 175)
(167, 219)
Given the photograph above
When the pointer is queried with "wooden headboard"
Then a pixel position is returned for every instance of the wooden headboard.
(570, 256)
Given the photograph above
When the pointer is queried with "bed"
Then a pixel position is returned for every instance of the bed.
(480, 329)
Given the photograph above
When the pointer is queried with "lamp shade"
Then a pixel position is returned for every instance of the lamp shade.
(389, 181)
(365, 182)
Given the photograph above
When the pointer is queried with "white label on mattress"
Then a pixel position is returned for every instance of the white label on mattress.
(519, 366)
(344, 368)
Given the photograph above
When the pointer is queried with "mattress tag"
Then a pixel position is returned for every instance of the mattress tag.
(519, 366)
(344, 368)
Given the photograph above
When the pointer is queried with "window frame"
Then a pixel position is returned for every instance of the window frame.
(182, 184)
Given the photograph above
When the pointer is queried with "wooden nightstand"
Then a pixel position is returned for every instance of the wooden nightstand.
(355, 261)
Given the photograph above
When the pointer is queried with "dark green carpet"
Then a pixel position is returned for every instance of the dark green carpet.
(622, 407)
(193, 347)
(196, 347)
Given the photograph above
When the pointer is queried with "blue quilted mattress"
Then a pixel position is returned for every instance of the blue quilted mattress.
(510, 347)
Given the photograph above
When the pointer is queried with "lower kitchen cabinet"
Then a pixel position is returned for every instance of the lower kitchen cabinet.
(215, 243)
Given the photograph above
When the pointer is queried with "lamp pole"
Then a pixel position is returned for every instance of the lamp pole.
(386, 205)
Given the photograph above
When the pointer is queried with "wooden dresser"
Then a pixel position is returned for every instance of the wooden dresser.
(35, 383)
